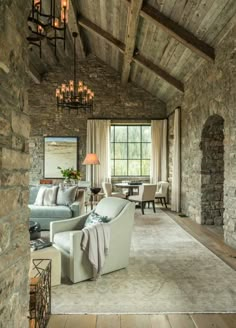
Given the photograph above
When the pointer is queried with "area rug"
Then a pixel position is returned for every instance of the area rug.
(169, 272)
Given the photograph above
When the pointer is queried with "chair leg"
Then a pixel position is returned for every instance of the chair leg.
(161, 201)
(165, 202)
(142, 207)
(153, 206)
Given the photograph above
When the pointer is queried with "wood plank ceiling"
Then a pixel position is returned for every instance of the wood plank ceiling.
(157, 44)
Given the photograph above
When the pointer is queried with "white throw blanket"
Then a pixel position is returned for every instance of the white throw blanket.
(96, 240)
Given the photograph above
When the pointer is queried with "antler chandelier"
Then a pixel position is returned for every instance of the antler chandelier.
(47, 19)
(74, 95)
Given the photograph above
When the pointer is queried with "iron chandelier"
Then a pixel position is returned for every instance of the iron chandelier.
(48, 20)
(75, 95)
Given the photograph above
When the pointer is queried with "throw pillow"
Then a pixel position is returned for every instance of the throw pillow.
(95, 218)
(50, 196)
(66, 196)
(40, 196)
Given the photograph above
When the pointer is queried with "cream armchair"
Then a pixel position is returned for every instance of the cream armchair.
(66, 236)
(146, 195)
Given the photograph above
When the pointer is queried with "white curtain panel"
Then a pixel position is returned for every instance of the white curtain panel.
(158, 167)
(175, 196)
(98, 142)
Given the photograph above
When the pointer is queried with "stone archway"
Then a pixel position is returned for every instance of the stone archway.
(212, 171)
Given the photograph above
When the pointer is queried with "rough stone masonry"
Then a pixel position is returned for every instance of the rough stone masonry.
(14, 165)
(210, 91)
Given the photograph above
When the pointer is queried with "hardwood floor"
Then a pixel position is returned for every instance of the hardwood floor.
(143, 321)
(210, 237)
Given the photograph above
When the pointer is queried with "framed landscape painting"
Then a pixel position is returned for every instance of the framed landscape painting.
(59, 151)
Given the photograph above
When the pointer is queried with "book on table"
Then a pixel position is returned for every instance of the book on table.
(39, 244)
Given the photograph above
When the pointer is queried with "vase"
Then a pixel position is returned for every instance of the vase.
(69, 182)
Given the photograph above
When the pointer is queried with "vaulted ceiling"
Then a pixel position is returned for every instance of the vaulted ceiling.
(157, 44)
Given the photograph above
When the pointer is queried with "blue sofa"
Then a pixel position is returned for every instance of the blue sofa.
(46, 214)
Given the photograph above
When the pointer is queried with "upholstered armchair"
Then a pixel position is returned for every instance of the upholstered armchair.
(161, 194)
(107, 188)
(66, 236)
(146, 195)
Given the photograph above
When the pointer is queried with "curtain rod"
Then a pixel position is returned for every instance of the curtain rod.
(127, 119)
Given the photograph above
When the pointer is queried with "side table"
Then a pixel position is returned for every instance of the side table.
(53, 254)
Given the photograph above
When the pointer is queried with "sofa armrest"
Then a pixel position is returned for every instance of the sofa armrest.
(76, 209)
(67, 225)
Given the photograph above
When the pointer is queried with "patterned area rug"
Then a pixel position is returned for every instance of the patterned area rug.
(169, 271)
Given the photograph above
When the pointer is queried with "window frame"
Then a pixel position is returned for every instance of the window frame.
(113, 143)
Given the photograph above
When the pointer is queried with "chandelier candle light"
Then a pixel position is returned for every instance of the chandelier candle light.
(74, 95)
(45, 21)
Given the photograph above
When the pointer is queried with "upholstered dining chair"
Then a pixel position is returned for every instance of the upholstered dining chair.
(146, 195)
(161, 194)
(107, 189)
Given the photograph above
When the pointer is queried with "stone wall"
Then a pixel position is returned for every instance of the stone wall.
(211, 90)
(14, 165)
(212, 171)
(111, 101)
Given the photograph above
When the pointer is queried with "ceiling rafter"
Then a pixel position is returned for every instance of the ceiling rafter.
(182, 35)
(130, 38)
(73, 26)
(138, 59)
(88, 25)
(141, 60)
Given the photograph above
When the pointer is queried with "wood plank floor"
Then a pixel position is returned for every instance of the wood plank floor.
(211, 238)
(143, 321)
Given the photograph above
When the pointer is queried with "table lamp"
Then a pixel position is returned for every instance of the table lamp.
(91, 159)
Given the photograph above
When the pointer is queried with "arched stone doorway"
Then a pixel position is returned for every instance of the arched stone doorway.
(212, 171)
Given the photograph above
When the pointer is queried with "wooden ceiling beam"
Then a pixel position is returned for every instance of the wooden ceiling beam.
(73, 26)
(140, 60)
(88, 25)
(178, 32)
(130, 38)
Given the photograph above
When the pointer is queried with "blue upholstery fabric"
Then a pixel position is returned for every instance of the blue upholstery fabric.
(33, 194)
(63, 212)
(46, 214)
(33, 191)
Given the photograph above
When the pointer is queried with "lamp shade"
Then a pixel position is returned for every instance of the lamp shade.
(91, 159)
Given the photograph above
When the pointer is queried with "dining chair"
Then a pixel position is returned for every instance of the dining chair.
(107, 188)
(161, 194)
(146, 195)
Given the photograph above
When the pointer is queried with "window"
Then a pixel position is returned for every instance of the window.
(130, 150)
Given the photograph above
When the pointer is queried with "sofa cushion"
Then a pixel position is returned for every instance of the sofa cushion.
(50, 212)
(95, 218)
(66, 196)
(111, 206)
(33, 192)
(50, 196)
(40, 196)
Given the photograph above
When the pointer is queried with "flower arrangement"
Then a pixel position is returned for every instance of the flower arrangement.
(70, 173)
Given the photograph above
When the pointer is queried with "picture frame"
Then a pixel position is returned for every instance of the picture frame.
(59, 152)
